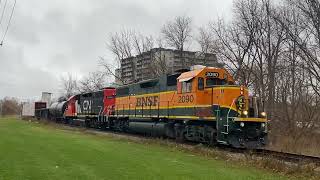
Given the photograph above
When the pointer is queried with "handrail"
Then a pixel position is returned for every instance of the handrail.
(105, 109)
(99, 112)
(233, 101)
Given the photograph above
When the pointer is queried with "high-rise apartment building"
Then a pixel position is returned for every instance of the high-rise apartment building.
(158, 61)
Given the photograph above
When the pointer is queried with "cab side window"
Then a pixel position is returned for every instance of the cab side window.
(186, 86)
(111, 97)
(200, 83)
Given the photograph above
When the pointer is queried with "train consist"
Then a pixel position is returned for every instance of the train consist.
(201, 105)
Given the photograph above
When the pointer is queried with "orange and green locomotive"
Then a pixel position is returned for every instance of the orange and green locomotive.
(202, 105)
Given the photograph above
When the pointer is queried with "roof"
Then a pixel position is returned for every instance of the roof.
(186, 76)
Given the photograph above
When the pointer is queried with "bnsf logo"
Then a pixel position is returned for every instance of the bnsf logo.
(212, 74)
(147, 101)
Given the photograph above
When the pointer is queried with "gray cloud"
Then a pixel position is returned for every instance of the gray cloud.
(20, 80)
(50, 38)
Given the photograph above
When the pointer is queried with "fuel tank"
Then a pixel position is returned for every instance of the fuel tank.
(151, 128)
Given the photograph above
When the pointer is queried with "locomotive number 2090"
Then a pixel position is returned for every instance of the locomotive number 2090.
(186, 98)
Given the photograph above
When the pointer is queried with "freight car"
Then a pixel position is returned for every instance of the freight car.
(202, 105)
(54, 112)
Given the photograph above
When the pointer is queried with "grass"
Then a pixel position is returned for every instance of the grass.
(34, 151)
(308, 144)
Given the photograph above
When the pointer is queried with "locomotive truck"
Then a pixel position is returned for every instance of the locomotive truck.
(202, 105)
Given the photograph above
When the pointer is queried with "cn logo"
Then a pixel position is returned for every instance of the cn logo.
(86, 105)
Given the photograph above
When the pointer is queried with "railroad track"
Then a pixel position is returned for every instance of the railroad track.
(289, 157)
(276, 155)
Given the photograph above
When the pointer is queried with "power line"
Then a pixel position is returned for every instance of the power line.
(4, 9)
(9, 22)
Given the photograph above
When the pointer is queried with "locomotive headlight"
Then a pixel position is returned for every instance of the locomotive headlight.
(245, 113)
(242, 124)
(263, 114)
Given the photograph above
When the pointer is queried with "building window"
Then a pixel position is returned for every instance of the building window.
(187, 86)
(200, 83)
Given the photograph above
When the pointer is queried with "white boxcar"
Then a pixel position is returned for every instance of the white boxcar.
(28, 109)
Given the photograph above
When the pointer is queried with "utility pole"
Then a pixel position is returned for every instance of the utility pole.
(1, 108)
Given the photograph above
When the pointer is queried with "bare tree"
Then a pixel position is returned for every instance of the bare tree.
(300, 19)
(206, 40)
(142, 43)
(120, 44)
(233, 44)
(110, 69)
(125, 44)
(160, 42)
(122, 47)
(307, 38)
(9, 106)
(256, 45)
(69, 85)
(93, 82)
(269, 42)
(177, 32)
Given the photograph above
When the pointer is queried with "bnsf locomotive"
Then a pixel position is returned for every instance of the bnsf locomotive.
(202, 105)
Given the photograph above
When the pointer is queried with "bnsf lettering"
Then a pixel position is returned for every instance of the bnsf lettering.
(147, 101)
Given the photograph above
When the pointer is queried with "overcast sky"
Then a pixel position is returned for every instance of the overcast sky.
(51, 38)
